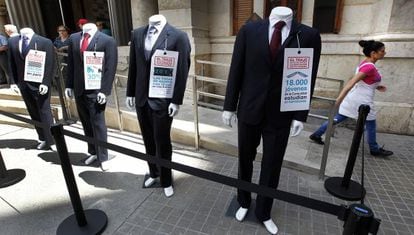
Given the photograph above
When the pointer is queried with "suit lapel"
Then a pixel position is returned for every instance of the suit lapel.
(161, 39)
(263, 36)
(93, 42)
(287, 43)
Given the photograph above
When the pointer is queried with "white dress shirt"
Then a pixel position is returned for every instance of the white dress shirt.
(285, 30)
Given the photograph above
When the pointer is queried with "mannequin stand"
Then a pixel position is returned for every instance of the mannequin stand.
(9, 177)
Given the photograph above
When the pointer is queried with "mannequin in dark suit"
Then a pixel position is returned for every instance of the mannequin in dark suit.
(155, 115)
(35, 95)
(254, 88)
(91, 103)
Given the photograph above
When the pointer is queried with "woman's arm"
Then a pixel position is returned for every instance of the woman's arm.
(348, 86)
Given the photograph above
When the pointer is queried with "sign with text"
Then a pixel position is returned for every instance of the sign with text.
(34, 66)
(163, 74)
(297, 74)
(92, 68)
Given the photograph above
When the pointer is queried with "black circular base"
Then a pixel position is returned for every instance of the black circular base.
(12, 176)
(353, 193)
(97, 221)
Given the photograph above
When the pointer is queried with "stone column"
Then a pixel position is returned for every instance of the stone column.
(26, 13)
(142, 10)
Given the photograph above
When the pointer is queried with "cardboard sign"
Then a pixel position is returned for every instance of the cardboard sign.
(297, 74)
(34, 66)
(92, 67)
(163, 74)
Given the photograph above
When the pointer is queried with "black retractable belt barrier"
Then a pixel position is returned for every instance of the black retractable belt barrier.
(89, 218)
(9, 177)
(344, 187)
(91, 221)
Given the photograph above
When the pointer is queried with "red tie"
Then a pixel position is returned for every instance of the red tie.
(85, 42)
(276, 39)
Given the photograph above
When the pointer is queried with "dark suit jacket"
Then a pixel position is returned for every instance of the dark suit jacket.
(255, 82)
(139, 66)
(17, 61)
(99, 42)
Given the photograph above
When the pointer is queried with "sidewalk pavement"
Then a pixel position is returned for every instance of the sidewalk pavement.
(39, 203)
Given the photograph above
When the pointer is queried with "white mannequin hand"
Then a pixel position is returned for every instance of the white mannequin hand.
(227, 117)
(15, 88)
(130, 102)
(101, 98)
(173, 109)
(295, 128)
(69, 93)
(43, 89)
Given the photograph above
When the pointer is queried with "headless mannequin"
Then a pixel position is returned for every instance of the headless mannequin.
(159, 21)
(91, 29)
(28, 32)
(278, 14)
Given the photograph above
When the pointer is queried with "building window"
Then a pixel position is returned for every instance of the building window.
(295, 5)
(327, 15)
(242, 11)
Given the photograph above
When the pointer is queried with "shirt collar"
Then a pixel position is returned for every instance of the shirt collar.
(159, 26)
(91, 33)
(273, 20)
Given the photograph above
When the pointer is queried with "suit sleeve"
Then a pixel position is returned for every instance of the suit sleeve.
(316, 45)
(132, 71)
(70, 75)
(111, 62)
(184, 49)
(50, 63)
(236, 73)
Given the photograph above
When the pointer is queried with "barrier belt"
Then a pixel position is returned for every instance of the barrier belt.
(222, 179)
(23, 119)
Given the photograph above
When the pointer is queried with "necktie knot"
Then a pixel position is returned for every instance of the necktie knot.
(25, 38)
(152, 30)
(279, 25)
(86, 35)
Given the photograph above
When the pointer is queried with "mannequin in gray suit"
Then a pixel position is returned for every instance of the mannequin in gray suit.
(155, 115)
(91, 103)
(36, 96)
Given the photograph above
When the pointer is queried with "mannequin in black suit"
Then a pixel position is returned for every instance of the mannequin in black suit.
(254, 88)
(35, 95)
(155, 115)
(91, 103)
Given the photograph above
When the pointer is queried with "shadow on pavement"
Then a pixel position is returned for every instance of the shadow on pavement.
(112, 180)
(76, 159)
(18, 144)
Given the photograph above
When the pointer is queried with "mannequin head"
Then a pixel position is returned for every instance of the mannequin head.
(157, 19)
(282, 13)
(89, 27)
(26, 31)
(10, 29)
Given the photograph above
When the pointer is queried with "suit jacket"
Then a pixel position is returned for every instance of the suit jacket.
(99, 42)
(255, 81)
(140, 66)
(17, 61)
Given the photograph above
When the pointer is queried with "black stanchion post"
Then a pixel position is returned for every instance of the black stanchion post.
(82, 222)
(9, 177)
(344, 187)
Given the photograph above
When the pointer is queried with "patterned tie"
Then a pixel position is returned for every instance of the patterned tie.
(25, 45)
(276, 39)
(151, 34)
(85, 42)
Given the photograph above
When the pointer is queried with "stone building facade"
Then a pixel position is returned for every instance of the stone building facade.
(210, 25)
